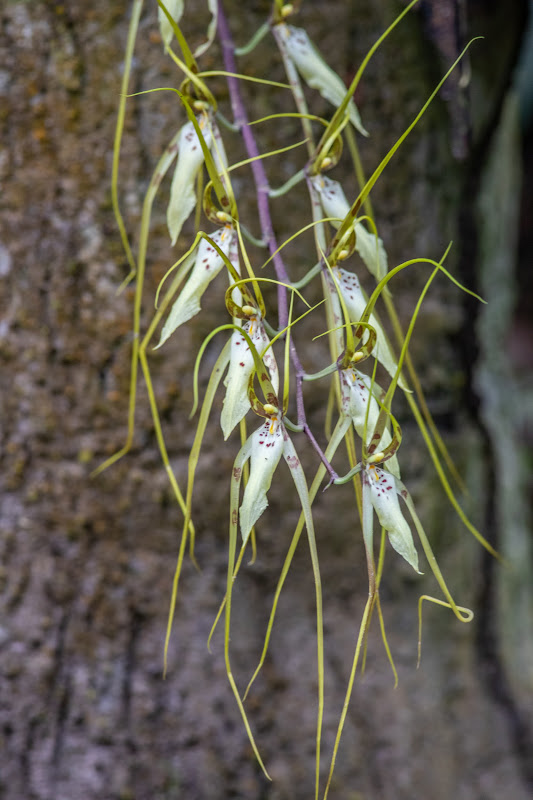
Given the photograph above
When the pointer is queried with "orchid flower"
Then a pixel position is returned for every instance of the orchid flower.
(236, 400)
(207, 265)
(336, 206)
(347, 284)
(264, 448)
(380, 486)
(317, 74)
(190, 160)
(360, 405)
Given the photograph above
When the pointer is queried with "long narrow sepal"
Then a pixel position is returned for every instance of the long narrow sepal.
(462, 614)
(300, 482)
(236, 476)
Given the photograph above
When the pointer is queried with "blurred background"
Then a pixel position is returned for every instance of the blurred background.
(86, 564)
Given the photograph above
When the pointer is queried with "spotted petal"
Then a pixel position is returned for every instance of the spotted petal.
(207, 265)
(336, 206)
(266, 450)
(356, 395)
(356, 303)
(384, 498)
(236, 401)
(182, 191)
(317, 74)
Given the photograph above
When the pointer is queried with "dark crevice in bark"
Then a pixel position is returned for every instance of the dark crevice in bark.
(62, 688)
(27, 750)
(491, 668)
(62, 713)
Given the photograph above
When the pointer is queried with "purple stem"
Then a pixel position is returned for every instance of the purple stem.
(265, 220)
(261, 181)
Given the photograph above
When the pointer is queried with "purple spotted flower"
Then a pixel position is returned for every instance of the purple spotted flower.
(382, 489)
(236, 400)
(207, 264)
(360, 405)
(368, 245)
(190, 160)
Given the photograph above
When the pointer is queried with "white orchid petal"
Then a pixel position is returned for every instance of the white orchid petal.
(182, 191)
(236, 401)
(355, 389)
(356, 303)
(211, 30)
(332, 198)
(335, 205)
(175, 8)
(384, 498)
(317, 74)
(207, 265)
(266, 450)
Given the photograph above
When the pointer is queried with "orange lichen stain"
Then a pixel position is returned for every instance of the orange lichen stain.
(39, 133)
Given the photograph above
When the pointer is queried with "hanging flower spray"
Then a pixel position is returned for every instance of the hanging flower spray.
(254, 338)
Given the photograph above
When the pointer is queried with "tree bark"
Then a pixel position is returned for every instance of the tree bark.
(87, 564)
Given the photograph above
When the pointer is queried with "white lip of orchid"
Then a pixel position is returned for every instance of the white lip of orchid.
(384, 498)
(236, 401)
(266, 448)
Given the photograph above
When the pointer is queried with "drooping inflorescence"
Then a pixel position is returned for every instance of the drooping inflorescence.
(258, 370)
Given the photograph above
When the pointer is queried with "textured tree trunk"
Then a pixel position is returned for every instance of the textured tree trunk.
(87, 564)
